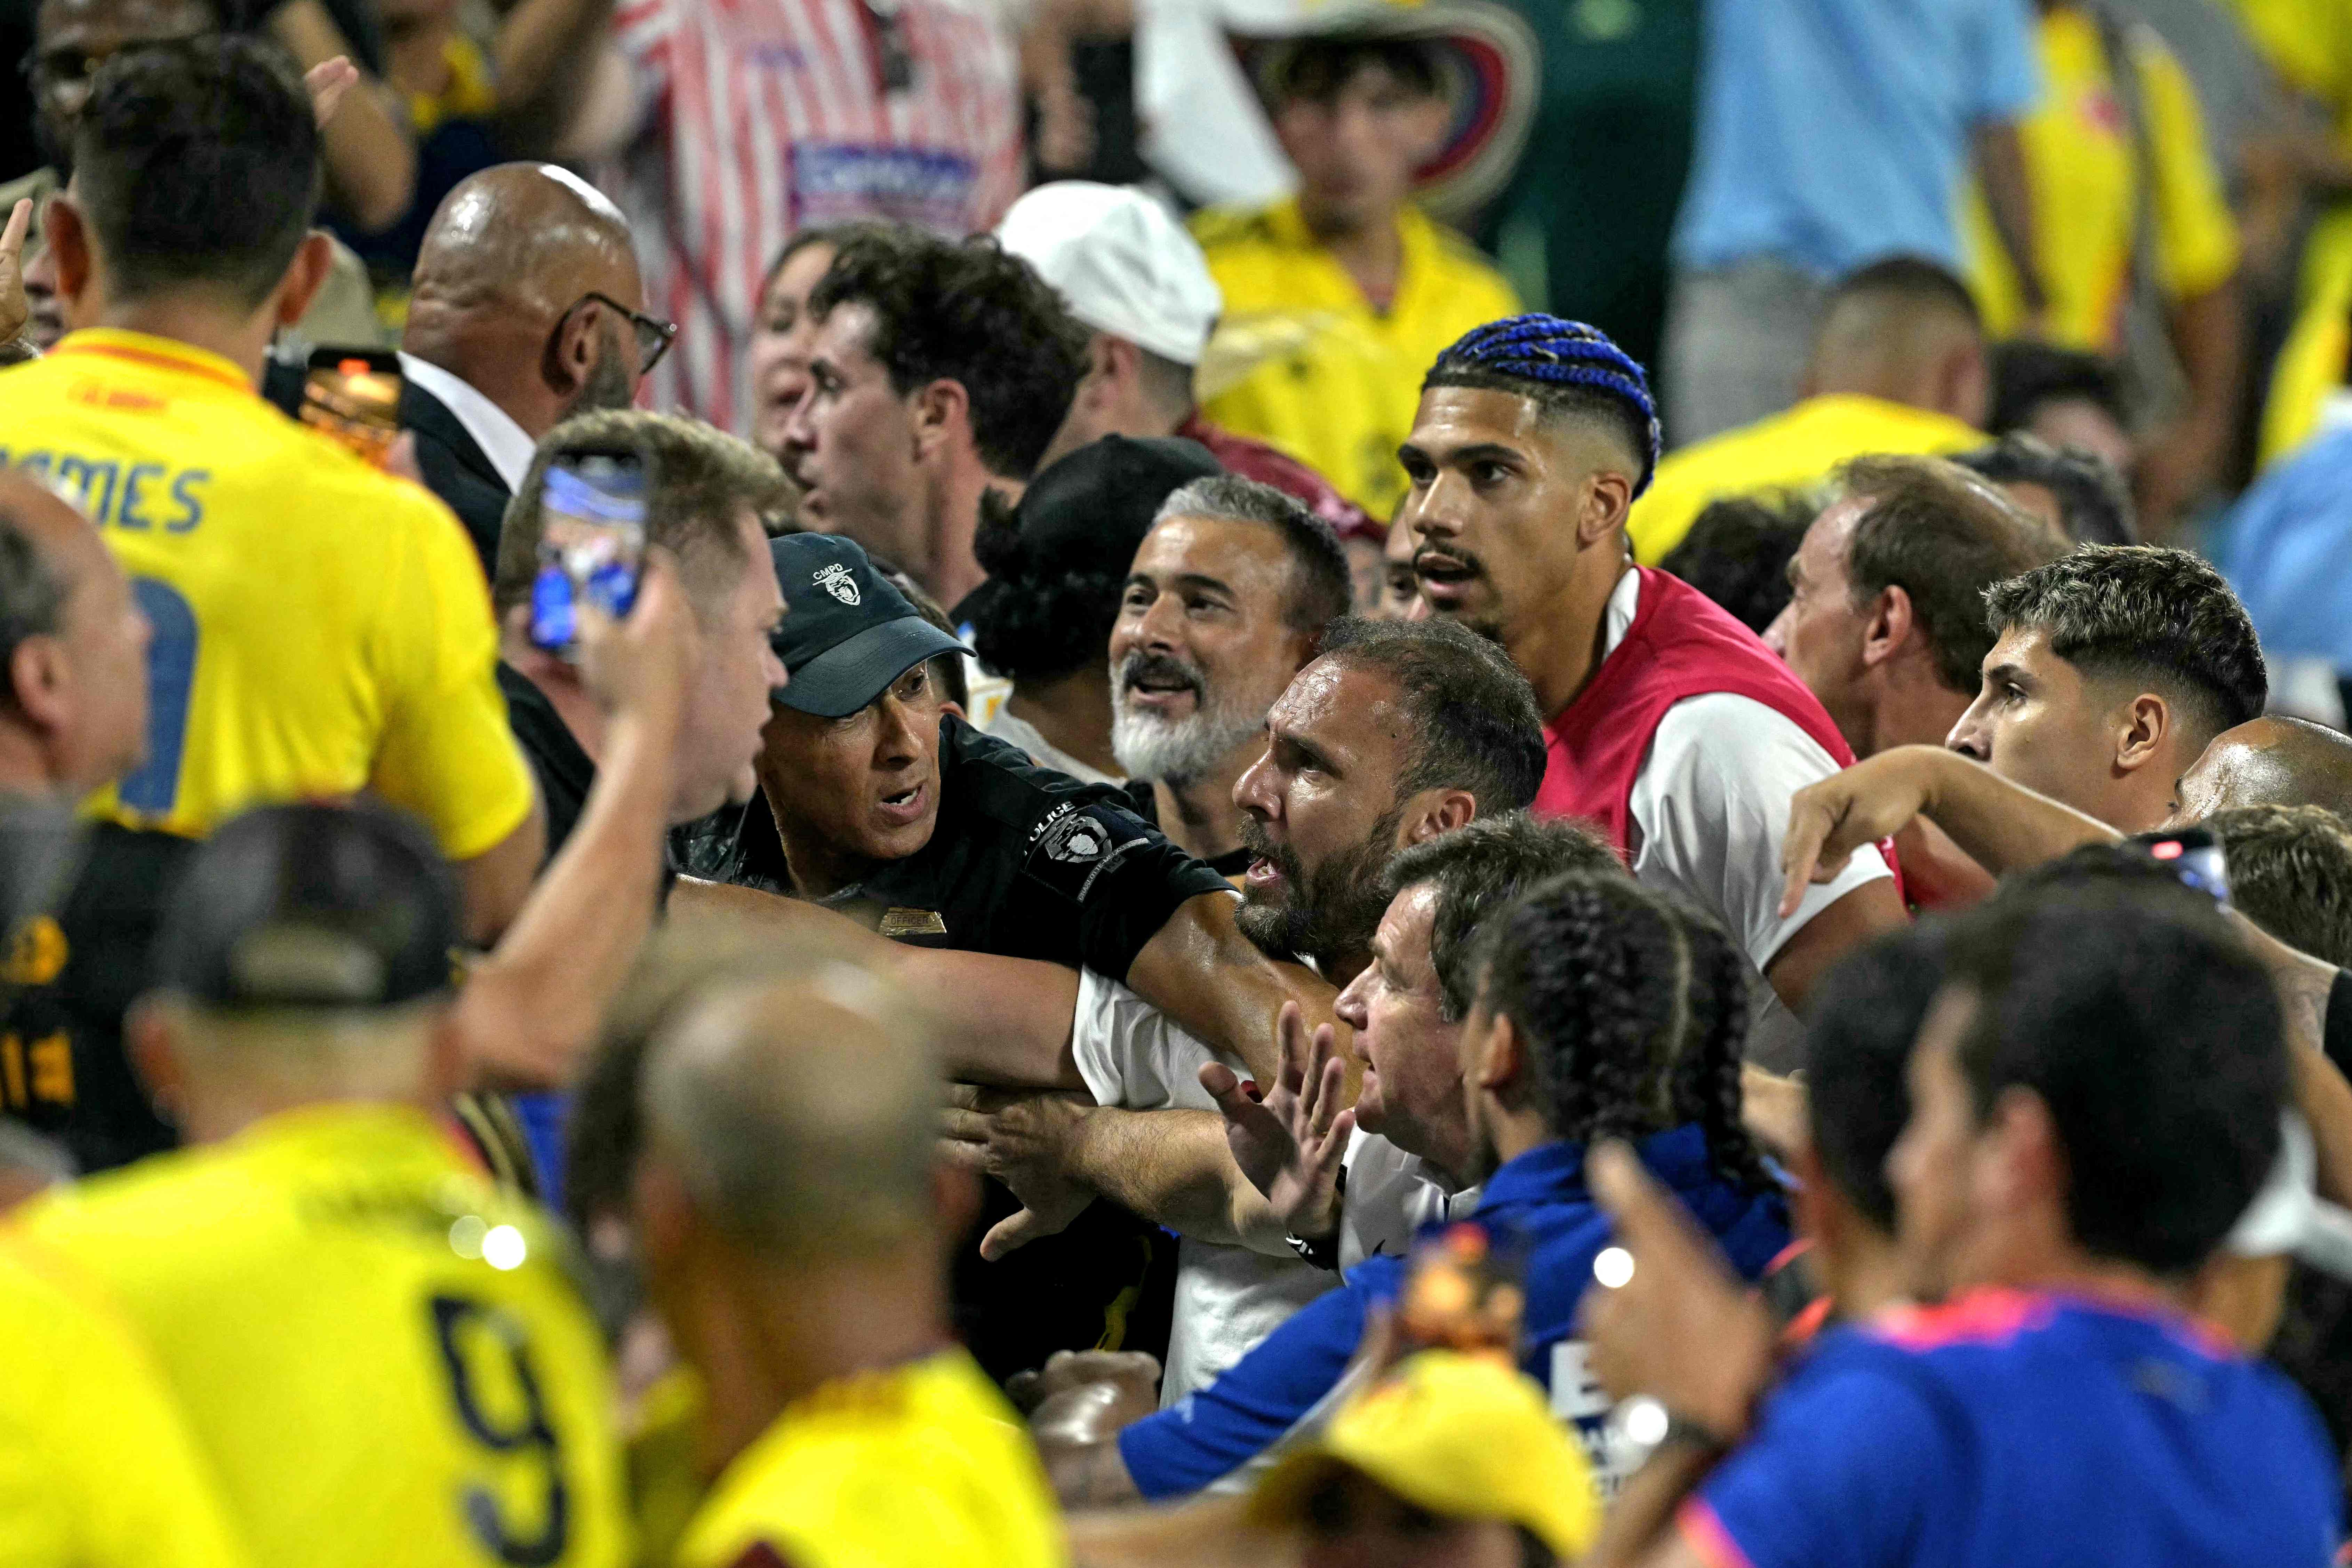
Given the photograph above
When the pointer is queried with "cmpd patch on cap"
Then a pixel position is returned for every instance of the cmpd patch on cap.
(838, 581)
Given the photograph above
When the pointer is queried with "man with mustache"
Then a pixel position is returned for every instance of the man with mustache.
(1671, 724)
(1227, 599)
(1398, 735)
(1054, 563)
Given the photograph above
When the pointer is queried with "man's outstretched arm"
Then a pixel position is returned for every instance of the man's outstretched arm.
(1200, 971)
(1012, 1016)
(2001, 825)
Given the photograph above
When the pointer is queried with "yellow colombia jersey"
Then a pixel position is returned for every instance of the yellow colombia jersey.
(96, 1467)
(1340, 380)
(921, 1466)
(385, 1361)
(2081, 167)
(319, 627)
(1789, 450)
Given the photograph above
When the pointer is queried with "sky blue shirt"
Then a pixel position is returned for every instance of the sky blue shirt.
(1539, 1197)
(2287, 549)
(2017, 1429)
(1835, 132)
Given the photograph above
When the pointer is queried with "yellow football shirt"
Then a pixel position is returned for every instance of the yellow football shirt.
(916, 1467)
(1794, 450)
(1336, 381)
(384, 1360)
(2084, 174)
(96, 1467)
(320, 627)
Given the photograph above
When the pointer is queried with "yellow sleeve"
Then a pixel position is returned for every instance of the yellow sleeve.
(96, 1468)
(446, 753)
(2196, 234)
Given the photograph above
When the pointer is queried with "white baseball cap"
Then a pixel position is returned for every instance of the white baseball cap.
(1122, 264)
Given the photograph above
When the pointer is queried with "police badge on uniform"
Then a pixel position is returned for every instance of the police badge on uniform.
(1075, 841)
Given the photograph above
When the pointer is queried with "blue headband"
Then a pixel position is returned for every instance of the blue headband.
(1558, 353)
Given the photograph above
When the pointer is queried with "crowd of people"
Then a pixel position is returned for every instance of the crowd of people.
(925, 872)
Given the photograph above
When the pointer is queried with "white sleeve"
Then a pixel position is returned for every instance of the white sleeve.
(1712, 804)
(1132, 1055)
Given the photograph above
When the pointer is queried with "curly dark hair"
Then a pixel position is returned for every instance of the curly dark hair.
(2145, 613)
(1477, 869)
(1057, 621)
(963, 311)
(1633, 1005)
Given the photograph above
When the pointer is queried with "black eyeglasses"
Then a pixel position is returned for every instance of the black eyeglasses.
(654, 337)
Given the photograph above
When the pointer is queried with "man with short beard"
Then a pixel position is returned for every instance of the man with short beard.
(1228, 598)
(527, 308)
(1671, 724)
(1398, 734)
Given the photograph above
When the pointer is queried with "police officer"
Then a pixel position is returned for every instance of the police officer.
(878, 801)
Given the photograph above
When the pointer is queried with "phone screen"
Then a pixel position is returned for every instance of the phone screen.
(2195, 856)
(592, 541)
(352, 397)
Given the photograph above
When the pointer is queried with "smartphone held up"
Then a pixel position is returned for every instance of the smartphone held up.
(592, 543)
(351, 396)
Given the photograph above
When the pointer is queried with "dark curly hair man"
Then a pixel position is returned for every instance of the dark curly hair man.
(937, 367)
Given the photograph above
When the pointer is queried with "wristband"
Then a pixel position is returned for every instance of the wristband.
(1324, 1252)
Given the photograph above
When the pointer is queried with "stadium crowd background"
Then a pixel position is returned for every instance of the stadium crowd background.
(1471, 782)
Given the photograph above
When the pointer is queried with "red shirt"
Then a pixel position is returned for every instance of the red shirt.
(1271, 466)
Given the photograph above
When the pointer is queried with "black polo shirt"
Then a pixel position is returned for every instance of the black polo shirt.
(1026, 863)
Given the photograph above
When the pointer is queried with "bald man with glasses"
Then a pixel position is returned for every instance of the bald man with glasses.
(528, 309)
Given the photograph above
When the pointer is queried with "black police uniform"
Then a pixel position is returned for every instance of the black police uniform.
(1027, 863)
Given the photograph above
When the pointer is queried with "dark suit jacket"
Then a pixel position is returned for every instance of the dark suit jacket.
(456, 470)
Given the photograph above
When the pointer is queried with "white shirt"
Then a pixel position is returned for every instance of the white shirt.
(1710, 808)
(502, 441)
(1391, 1195)
(1135, 1056)
(1018, 732)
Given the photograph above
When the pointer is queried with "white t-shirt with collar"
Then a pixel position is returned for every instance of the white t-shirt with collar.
(1709, 809)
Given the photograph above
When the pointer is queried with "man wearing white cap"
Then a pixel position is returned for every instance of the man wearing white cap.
(1129, 271)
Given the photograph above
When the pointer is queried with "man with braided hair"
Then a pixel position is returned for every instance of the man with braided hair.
(1671, 726)
(1599, 1009)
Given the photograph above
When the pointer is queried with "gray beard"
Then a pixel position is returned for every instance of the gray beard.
(1149, 747)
